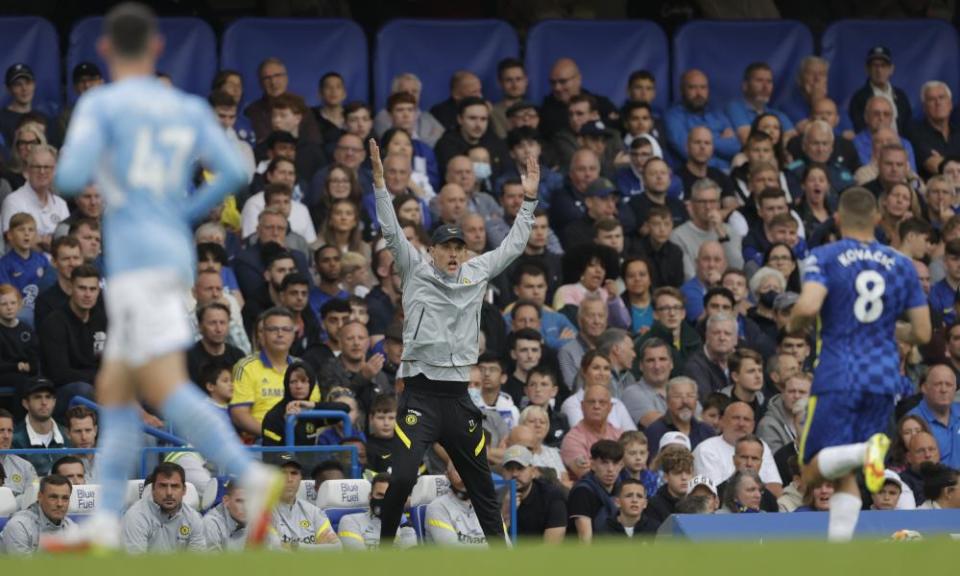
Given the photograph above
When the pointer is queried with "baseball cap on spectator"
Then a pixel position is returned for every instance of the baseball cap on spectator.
(701, 480)
(85, 70)
(596, 128)
(18, 71)
(674, 438)
(600, 188)
(785, 300)
(446, 234)
(394, 331)
(518, 107)
(891, 476)
(519, 455)
(879, 53)
(290, 459)
(37, 384)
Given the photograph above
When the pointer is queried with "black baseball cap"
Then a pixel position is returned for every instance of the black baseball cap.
(880, 53)
(85, 70)
(16, 72)
(445, 233)
(290, 459)
(37, 384)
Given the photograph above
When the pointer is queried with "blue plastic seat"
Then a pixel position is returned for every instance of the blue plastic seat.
(308, 47)
(606, 51)
(922, 50)
(189, 53)
(35, 42)
(723, 50)
(435, 49)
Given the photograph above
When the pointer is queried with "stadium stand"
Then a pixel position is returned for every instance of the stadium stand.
(412, 46)
(301, 44)
(189, 55)
(33, 41)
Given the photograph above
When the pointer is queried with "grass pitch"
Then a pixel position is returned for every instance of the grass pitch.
(933, 556)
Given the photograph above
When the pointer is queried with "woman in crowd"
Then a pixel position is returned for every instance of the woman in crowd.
(817, 201)
(638, 296)
(907, 427)
(743, 493)
(816, 498)
(781, 258)
(342, 228)
(341, 184)
(544, 456)
(895, 207)
(595, 370)
(423, 163)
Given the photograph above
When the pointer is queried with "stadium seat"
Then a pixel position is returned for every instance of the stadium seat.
(8, 502)
(189, 53)
(83, 499)
(607, 51)
(337, 498)
(134, 491)
(723, 49)
(208, 496)
(35, 42)
(435, 49)
(309, 48)
(307, 492)
(30, 494)
(922, 50)
(426, 490)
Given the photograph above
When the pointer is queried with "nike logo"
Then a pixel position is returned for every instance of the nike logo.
(385, 456)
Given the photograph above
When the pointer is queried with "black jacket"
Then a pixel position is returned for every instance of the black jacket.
(18, 344)
(858, 105)
(645, 525)
(661, 506)
(70, 349)
(452, 143)
(667, 261)
(305, 432)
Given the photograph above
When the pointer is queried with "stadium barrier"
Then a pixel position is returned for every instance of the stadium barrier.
(804, 525)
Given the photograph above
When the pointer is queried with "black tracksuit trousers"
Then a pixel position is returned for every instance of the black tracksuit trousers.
(440, 411)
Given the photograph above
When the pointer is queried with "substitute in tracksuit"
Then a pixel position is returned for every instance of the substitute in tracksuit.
(48, 515)
(362, 531)
(160, 522)
(451, 520)
(441, 333)
(297, 523)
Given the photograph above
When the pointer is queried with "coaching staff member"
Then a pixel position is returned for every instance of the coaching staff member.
(441, 329)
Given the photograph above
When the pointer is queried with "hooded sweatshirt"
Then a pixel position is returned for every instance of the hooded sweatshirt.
(305, 432)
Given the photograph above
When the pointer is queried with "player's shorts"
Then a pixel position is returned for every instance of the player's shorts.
(848, 417)
(146, 315)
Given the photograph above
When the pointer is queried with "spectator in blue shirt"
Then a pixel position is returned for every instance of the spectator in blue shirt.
(694, 111)
(879, 114)
(944, 292)
(22, 266)
(711, 262)
(940, 411)
(757, 89)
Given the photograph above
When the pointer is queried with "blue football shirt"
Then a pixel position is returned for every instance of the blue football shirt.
(869, 286)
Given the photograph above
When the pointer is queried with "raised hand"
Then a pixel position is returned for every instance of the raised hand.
(529, 178)
(377, 165)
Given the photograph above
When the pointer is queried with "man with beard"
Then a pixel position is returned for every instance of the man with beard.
(159, 522)
(294, 295)
(362, 531)
(277, 264)
(541, 506)
(681, 407)
(327, 261)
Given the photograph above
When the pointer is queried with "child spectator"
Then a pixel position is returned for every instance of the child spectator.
(712, 409)
(22, 266)
(216, 379)
(355, 274)
(358, 310)
(630, 520)
(382, 420)
(665, 256)
(19, 353)
(676, 464)
(636, 450)
(591, 504)
(334, 435)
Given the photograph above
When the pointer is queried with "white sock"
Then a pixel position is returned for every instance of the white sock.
(838, 461)
(844, 511)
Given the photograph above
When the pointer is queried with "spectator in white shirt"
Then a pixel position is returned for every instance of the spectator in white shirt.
(595, 370)
(37, 197)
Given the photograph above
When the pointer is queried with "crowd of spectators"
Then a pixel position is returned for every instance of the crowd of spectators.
(634, 360)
